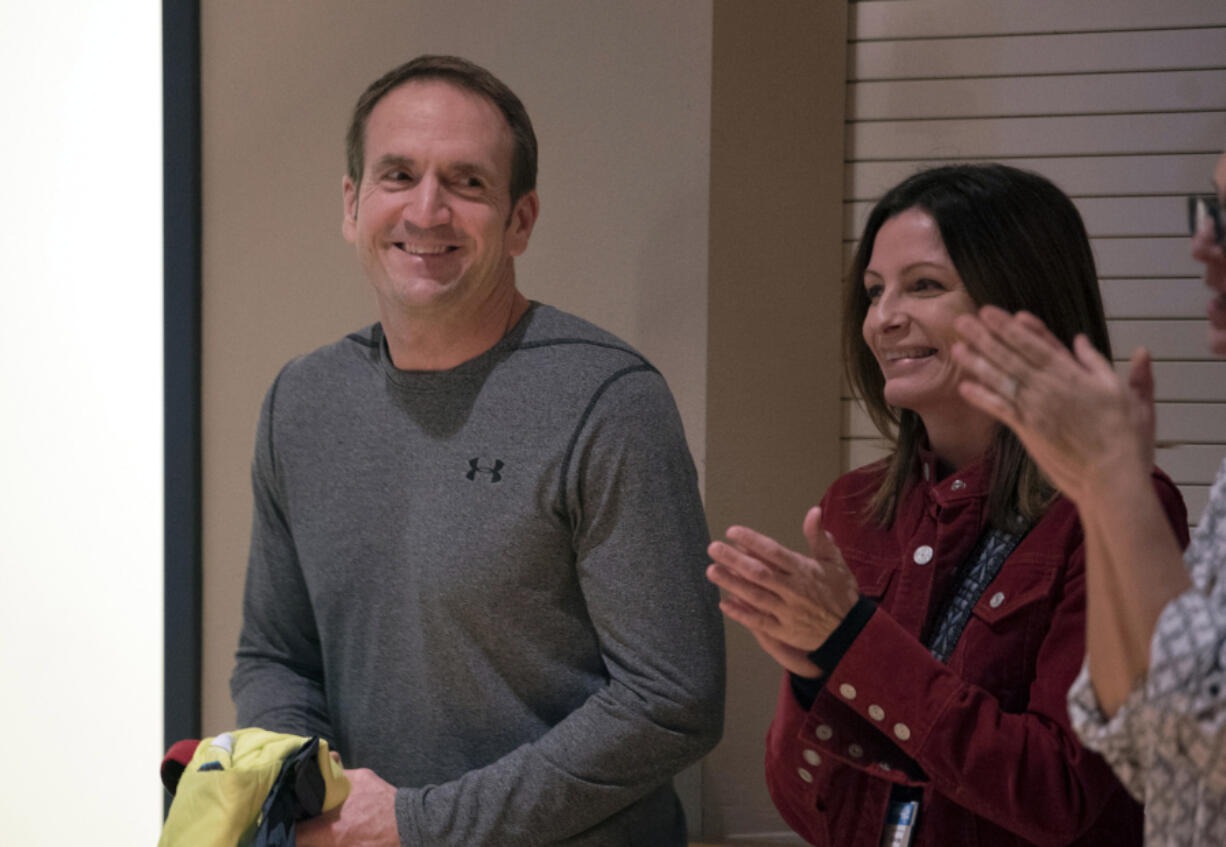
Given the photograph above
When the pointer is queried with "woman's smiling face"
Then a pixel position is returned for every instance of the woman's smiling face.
(914, 294)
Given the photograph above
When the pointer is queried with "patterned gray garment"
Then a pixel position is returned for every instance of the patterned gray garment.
(1167, 742)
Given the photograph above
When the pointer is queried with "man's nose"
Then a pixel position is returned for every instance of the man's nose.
(427, 205)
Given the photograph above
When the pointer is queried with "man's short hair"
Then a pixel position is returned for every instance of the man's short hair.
(463, 74)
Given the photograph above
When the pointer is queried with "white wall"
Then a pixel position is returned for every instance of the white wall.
(80, 430)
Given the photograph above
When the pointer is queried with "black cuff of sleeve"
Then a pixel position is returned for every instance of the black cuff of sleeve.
(832, 650)
(827, 656)
(805, 689)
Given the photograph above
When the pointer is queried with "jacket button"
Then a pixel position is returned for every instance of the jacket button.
(848, 691)
(997, 600)
(876, 712)
(855, 751)
(902, 731)
(922, 555)
(804, 774)
(824, 733)
(958, 485)
(812, 757)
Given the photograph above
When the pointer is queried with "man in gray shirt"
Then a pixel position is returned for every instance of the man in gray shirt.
(478, 549)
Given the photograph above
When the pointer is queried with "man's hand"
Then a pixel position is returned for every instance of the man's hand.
(367, 818)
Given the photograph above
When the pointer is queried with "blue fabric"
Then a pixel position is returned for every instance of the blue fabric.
(297, 794)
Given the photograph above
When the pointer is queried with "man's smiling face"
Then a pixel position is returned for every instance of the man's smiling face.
(432, 218)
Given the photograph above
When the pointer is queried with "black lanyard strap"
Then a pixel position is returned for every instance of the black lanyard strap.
(974, 576)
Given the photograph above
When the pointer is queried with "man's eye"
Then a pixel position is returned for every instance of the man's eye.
(399, 176)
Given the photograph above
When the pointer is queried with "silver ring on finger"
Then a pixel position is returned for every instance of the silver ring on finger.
(1009, 389)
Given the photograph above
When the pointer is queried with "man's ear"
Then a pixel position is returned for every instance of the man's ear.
(349, 221)
(523, 219)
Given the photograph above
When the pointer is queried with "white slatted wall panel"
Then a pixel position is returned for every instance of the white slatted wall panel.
(1122, 104)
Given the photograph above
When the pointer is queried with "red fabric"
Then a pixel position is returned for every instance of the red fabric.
(175, 760)
(987, 736)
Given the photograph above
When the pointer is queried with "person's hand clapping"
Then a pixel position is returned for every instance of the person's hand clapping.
(1076, 417)
(788, 601)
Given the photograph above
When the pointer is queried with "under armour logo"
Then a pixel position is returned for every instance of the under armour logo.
(475, 468)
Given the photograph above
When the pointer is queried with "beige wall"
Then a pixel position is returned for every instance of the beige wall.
(621, 95)
(622, 110)
(773, 355)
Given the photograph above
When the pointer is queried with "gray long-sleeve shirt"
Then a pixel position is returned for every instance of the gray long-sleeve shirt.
(486, 584)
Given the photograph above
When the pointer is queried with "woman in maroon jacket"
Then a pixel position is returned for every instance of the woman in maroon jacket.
(934, 626)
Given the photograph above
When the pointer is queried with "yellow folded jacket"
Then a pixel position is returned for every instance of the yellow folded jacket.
(247, 787)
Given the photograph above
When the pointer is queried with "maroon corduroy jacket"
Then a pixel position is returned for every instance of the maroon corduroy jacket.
(987, 736)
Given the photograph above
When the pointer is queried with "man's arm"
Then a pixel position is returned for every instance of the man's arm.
(278, 679)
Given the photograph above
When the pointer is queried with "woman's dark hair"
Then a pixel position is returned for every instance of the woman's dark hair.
(1017, 242)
